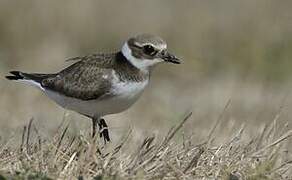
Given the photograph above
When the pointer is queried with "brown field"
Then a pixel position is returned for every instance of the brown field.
(235, 80)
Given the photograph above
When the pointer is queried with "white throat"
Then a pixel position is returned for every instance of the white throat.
(142, 64)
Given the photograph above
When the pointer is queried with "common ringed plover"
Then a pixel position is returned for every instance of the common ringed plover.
(100, 84)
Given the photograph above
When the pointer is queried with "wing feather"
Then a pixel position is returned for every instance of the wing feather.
(89, 78)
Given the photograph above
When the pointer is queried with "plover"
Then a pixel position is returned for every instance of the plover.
(101, 84)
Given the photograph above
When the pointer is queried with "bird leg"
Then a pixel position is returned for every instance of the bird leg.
(103, 128)
(94, 124)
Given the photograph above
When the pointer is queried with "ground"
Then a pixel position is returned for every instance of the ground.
(174, 156)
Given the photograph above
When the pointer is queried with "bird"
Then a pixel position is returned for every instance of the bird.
(101, 84)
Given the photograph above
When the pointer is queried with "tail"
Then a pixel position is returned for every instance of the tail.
(17, 75)
(29, 78)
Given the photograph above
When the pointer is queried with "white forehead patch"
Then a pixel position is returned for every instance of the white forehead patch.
(142, 64)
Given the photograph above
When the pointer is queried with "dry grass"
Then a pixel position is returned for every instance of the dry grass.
(81, 157)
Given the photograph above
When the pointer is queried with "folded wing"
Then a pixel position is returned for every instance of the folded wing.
(87, 79)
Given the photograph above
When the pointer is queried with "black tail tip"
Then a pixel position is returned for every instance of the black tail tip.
(16, 75)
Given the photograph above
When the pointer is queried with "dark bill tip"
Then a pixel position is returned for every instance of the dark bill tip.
(168, 57)
(173, 60)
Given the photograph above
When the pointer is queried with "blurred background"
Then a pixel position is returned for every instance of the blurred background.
(232, 50)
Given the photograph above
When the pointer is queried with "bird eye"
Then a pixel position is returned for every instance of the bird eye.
(149, 50)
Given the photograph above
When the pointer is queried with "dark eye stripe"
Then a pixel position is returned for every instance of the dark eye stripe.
(149, 50)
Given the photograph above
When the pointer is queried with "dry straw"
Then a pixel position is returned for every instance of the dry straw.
(81, 157)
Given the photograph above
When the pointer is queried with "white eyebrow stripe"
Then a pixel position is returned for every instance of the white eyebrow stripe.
(158, 47)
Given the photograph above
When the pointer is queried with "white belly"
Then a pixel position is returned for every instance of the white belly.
(124, 95)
